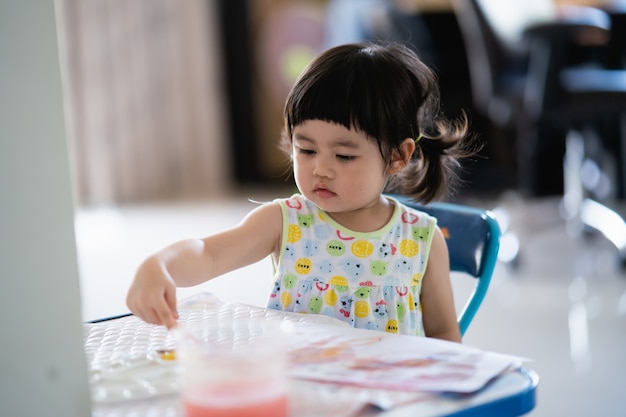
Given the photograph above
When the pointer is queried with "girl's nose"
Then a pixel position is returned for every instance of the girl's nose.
(323, 169)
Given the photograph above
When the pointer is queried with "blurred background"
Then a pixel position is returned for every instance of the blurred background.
(173, 114)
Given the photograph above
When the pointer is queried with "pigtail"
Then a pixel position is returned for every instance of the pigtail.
(435, 167)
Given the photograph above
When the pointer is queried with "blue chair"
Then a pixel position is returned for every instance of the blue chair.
(473, 238)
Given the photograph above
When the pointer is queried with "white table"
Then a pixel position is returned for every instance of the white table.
(146, 387)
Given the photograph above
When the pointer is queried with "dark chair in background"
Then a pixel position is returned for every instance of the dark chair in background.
(553, 78)
(616, 51)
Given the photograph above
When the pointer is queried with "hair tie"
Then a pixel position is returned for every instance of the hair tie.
(418, 138)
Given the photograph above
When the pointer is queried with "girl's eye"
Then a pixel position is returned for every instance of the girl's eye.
(306, 151)
(345, 157)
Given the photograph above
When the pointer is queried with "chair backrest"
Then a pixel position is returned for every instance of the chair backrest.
(473, 238)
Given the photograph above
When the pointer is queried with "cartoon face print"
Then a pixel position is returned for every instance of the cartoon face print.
(403, 265)
(305, 220)
(289, 252)
(420, 233)
(285, 299)
(384, 250)
(346, 302)
(324, 266)
(346, 305)
(310, 248)
(401, 311)
(322, 231)
(361, 309)
(362, 248)
(409, 248)
(380, 309)
(362, 292)
(340, 283)
(303, 266)
(330, 297)
(294, 233)
(315, 305)
(378, 268)
(392, 326)
(352, 267)
(289, 281)
(416, 279)
(335, 248)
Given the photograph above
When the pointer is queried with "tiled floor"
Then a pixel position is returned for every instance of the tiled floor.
(563, 305)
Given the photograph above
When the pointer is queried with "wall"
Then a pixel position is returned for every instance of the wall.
(42, 362)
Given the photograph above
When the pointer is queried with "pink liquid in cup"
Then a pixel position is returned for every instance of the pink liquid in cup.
(247, 399)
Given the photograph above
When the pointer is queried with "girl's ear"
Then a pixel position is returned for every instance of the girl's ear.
(400, 159)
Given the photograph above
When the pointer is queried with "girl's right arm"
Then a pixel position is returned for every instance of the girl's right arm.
(152, 294)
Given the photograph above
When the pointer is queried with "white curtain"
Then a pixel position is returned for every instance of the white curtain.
(144, 99)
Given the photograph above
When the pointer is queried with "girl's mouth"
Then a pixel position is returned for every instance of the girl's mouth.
(323, 192)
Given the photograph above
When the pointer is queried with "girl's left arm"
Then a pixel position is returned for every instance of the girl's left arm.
(438, 310)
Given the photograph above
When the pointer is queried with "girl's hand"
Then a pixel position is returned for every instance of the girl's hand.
(189, 262)
(152, 295)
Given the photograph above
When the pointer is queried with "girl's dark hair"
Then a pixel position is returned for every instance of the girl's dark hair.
(388, 93)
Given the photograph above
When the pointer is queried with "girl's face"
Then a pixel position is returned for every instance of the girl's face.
(338, 169)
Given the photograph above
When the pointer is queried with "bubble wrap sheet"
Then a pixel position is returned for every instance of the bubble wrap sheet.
(128, 378)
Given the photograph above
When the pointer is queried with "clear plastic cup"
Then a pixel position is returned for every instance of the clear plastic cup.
(234, 368)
